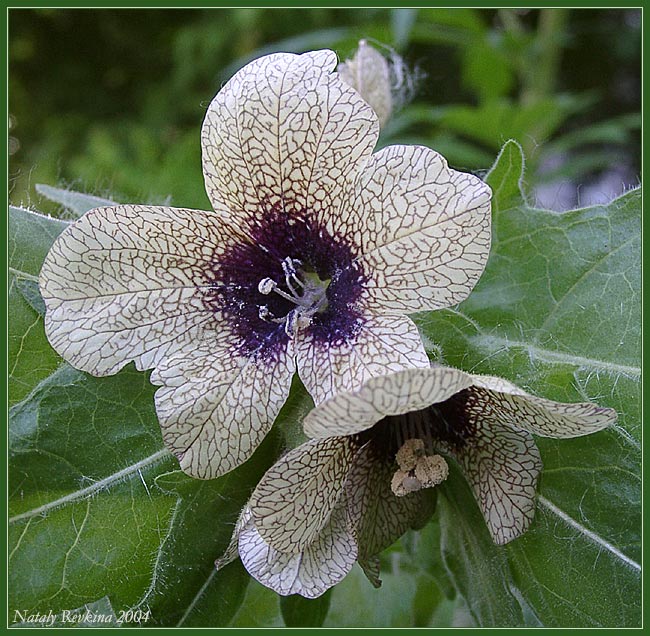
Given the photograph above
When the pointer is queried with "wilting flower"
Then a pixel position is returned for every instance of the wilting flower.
(362, 480)
(315, 251)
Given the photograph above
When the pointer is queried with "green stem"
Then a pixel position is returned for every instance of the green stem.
(540, 81)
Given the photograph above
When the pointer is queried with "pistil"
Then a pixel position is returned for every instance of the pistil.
(310, 300)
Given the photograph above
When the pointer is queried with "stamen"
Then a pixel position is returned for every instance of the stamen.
(288, 266)
(290, 273)
(409, 453)
(296, 300)
(291, 323)
(265, 314)
(266, 286)
(417, 470)
(310, 301)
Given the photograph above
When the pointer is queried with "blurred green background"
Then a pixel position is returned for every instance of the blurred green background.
(110, 102)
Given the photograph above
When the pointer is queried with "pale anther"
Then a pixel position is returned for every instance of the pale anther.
(266, 286)
(417, 470)
(408, 455)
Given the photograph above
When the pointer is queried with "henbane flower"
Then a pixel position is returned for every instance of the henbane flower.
(376, 452)
(314, 253)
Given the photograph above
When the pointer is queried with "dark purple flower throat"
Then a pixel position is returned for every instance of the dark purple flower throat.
(293, 274)
(448, 425)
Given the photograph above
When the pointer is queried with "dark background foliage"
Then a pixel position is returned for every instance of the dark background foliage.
(110, 101)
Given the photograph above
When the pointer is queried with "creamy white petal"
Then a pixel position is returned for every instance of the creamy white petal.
(497, 385)
(391, 394)
(296, 496)
(126, 283)
(285, 131)
(423, 228)
(541, 416)
(215, 406)
(379, 517)
(502, 465)
(311, 571)
(383, 344)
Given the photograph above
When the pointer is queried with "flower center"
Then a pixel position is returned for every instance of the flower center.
(411, 441)
(304, 289)
(291, 272)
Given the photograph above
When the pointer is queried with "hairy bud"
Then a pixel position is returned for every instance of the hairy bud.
(383, 81)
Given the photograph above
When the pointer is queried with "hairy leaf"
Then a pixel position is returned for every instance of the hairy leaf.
(558, 312)
(30, 356)
(76, 202)
(97, 505)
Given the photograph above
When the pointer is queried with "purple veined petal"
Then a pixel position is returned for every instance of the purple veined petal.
(127, 283)
(285, 132)
(424, 230)
(545, 417)
(347, 413)
(501, 464)
(296, 496)
(379, 517)
(311, 570)
(215, 407)
(379, 345)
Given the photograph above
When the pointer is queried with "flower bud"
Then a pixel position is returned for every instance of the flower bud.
(369, 73)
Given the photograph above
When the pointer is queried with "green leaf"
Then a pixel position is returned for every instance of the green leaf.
(408, 596)
(558, 312)
(303, 612)
(506, 176)
(31, 293)
(82, 518)
(191, 592)
(261, 607)
(30, 357)
(478, 568)
(76, 202)
(97, 506)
